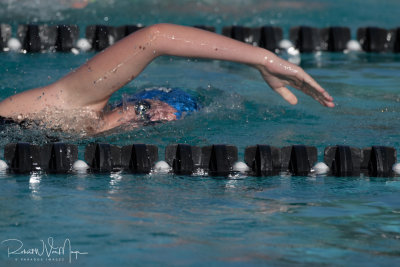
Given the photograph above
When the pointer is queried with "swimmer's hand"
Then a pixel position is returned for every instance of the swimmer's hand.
(120, 116)
(279, 73)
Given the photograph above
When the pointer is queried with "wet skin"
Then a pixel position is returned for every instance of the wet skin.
(86, 90)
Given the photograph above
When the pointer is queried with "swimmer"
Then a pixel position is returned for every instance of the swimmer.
(78, 101)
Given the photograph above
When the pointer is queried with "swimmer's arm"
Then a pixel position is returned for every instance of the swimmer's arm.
(278, 73)
(93, 83)
(117, 117)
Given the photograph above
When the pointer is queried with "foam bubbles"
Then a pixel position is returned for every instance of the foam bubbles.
(14, 44)
(162, 167)
(83, 44)
(74, 51)
(294, 55)
(80, 166)
(295, 59)
(353, 45)
(396, 168)
(3, 165)
(321, 168)
(241, 167)
(285, 44)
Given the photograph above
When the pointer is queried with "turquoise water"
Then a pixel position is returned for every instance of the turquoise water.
(124, 219)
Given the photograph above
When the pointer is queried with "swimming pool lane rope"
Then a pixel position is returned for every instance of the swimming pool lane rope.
(213, 160)
(32, 38)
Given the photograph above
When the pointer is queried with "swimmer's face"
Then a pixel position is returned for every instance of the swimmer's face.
(160, 111)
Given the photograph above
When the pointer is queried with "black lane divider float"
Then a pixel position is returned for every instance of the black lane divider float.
(267, 37)
(307, 39)
(102, 36)
(214, 160)
(374, 39)
(53, 158)
(376, 161)
(137, 158)
(39, 38)
(5, 35)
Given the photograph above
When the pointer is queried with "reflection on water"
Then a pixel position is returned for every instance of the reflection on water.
(121, 218)
(237, 104)
(274, 219)
(34, 186)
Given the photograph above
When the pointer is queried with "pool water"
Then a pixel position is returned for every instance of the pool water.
(122, 219)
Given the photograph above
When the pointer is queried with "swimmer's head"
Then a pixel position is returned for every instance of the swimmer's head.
(166, 99)
(154, 111)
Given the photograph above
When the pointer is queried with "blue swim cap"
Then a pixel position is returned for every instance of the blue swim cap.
(178, 99)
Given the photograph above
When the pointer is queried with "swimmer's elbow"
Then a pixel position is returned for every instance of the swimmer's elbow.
(155, 30)
(156, 33)
(159, 28)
